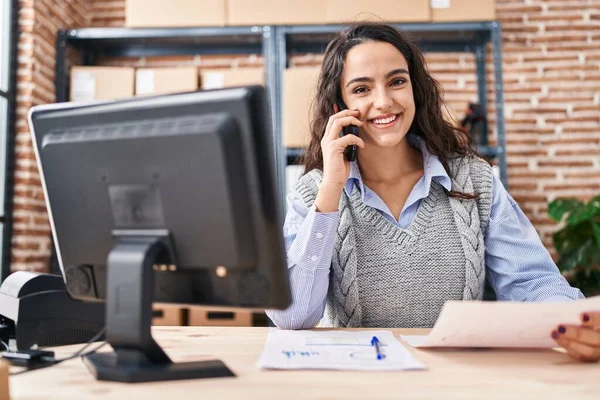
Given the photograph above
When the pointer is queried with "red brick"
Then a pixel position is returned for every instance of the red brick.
(526, 152)
(570, 140)
(517, 186)
(575, 186)
(27, 246)
(555, 17)
(542, 221)
(579, 152)
(529, 198)
(531, 174)
(29, 259)
(516, 164)
(563, 163)
(581, 129)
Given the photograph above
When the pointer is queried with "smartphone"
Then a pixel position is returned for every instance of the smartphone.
(350, 151)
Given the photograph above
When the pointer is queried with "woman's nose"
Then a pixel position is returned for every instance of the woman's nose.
(382, 101)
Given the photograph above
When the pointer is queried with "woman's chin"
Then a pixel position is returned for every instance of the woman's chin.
(388, 140)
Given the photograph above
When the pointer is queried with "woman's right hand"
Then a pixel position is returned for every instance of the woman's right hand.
(336, 168)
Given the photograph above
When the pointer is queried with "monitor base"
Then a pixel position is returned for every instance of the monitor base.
(136, 356)
(108, 367)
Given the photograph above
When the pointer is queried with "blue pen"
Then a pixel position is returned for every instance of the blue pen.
(375, 342)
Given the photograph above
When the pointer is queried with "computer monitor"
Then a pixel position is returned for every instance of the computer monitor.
(169, 198)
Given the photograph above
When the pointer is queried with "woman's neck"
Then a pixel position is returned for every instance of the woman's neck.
(389, 165)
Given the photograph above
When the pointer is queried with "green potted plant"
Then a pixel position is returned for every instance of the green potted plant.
(578, 242)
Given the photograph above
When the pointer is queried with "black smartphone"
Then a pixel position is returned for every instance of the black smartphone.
(350, 151)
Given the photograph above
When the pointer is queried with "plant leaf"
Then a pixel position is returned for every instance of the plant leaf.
(559, 207)
(596, 229)
(594, 205)
(583, 213)
(572, 237)
(580, 257)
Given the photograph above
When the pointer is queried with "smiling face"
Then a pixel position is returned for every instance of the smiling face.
(376, 81)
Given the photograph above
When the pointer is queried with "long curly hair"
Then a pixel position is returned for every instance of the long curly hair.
(441, 137)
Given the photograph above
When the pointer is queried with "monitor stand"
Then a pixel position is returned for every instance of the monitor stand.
(130, 290)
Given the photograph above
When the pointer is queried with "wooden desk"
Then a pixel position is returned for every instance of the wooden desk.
(474, 374)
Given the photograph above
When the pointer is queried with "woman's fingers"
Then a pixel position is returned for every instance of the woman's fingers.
(564, 343)
(580, 334)
(332, 132)
(577, 350)
(338, 124)
(591, 320)
(349, 140)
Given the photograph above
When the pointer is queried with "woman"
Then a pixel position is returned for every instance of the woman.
(417, 219)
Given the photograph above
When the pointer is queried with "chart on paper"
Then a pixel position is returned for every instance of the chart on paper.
(347, 350)
(502, 323)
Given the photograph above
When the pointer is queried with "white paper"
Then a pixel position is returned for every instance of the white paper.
(213, 80)
(339, 350)
(84, 86)
(144, 82)
(440, 3)
(504, 324)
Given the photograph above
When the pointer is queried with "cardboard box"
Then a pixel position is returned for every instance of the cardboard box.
(342, 11)
(463, 10)
(299, 90)
(174, 13)
(275, 12)
(101, 83)
(149, 81)
(227, 77)
(170, 315)
(201, 316)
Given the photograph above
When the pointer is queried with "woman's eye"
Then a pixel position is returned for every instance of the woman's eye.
(398, 81)
(360, 89)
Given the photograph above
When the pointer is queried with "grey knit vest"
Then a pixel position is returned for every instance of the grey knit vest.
(385, 276)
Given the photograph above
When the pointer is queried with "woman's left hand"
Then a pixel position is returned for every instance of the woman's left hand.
(582, 342)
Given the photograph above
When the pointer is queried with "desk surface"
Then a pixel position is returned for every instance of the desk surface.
(451, 374)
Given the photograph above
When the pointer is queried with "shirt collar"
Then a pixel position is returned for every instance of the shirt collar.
(432, 170)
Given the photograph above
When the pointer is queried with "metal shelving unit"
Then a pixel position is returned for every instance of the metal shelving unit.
(276, 44)
(93, 43)
(471, 37)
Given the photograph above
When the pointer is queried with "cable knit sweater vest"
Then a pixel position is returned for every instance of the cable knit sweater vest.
(385, 276)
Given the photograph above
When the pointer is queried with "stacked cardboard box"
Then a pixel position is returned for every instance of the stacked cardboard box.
(101, 83)
(463, 10)
(168, 315)
(152, 81)
(299, 90)
(275, 12)
(175, 13)
(227, 77)
(202, 316)
(179, 13)
(342, 11)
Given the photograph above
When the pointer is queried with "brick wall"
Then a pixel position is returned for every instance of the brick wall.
(38, 22)
(551, 66)
(552, 57)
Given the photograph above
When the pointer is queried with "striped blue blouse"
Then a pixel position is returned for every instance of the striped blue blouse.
(518, 265)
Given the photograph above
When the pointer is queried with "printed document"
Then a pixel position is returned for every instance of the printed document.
(340, 350)
(502, 323)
